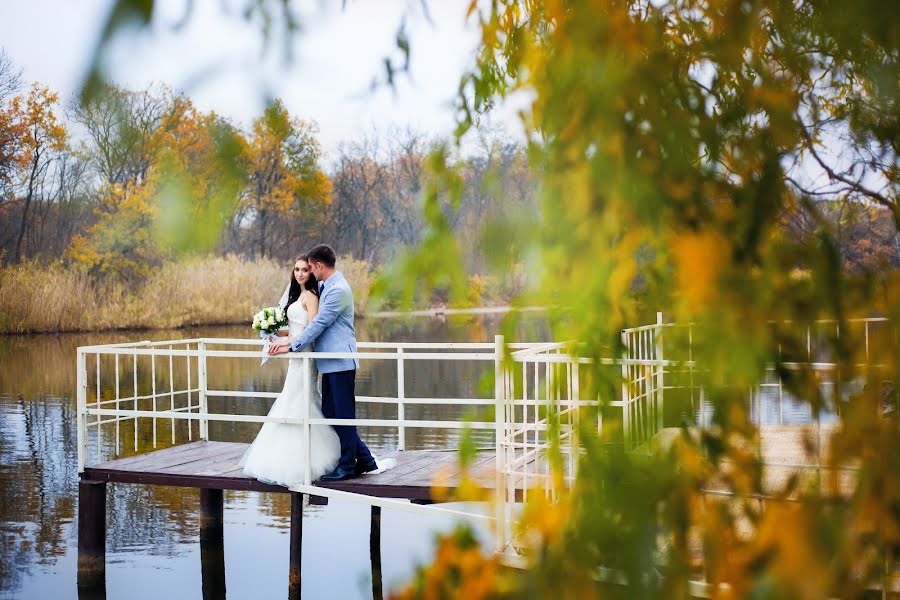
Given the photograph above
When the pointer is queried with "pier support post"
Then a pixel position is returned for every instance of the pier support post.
(212, 544)
(296, 546)
(92, 593)
(211, 515)
(375, 552)
(91, 534)
(212, 568)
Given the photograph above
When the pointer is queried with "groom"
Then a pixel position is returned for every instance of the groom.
(332, 331)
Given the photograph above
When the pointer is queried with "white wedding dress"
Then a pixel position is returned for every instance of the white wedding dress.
(277, 455)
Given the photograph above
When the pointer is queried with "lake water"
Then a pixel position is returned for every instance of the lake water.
(152, 532)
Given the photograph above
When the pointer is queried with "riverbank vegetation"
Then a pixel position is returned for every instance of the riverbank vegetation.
(215, 290)
(107, 203)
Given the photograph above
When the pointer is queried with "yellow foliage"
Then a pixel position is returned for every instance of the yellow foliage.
(699, 259)
(459, 570)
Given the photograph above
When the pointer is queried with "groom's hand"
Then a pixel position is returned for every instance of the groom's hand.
(278, 349)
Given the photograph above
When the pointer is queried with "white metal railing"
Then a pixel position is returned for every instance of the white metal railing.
(190, 404)
(642, 383)
(539, 408)
(538, 400)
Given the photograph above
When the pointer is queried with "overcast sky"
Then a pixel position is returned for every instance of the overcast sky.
(337, 55)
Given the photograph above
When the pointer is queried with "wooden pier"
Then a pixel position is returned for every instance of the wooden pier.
(212, 467)
(532, 381)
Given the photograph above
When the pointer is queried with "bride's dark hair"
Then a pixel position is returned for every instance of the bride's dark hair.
(295, 290)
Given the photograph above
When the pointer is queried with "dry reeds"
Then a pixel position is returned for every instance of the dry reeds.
(37, 297)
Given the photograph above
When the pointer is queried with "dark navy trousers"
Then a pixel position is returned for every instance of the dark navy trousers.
(339, 402)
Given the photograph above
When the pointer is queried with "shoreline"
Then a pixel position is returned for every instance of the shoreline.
(441, 311)
(438, 312)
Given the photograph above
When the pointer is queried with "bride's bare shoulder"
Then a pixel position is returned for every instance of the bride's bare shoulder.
(308, 299)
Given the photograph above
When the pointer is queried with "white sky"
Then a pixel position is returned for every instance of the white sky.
(337, 55)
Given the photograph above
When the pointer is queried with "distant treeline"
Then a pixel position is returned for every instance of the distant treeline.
(91, 183)
(131, 180)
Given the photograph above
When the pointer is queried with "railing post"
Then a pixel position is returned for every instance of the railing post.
(134, 404)
(81, 402)
(307, 430)
(659, 372)
(500, 434)
(201, 384)
(626, 402)
(401, 397)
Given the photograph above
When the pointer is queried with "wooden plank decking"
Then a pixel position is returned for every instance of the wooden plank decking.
(214, 465)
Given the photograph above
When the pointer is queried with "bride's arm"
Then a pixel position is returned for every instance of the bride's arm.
(312, 305)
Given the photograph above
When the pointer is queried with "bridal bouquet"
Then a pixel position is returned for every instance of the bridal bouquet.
(269, 320)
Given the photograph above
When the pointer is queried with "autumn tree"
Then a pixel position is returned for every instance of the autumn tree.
(359, 180)
(43, 140)
(378, 179)
(285, 182)
(405, 158)
(11, 127)
(122, 129)
(73, 202)
(180, 187)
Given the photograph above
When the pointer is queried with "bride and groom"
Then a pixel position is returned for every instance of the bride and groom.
(319, 307)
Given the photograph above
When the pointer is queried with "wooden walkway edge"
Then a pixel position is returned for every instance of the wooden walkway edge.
(214, 465)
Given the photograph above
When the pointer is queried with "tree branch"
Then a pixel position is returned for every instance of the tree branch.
(854, 185)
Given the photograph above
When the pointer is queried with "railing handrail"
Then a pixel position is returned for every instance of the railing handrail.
(487, 346)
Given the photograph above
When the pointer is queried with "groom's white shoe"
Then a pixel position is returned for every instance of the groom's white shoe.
(381, 465)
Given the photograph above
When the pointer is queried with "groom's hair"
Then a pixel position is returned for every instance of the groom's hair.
(323, 253)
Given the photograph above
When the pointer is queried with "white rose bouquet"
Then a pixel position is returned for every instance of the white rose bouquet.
(269, 320)
(266, 322)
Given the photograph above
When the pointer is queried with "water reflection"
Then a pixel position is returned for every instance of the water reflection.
(212, 568)
(94, 593)
(38, 472)
(153, 530)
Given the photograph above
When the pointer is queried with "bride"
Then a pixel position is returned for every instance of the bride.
(277, 454)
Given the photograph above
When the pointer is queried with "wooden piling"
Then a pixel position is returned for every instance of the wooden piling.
(92, 593)
(375, 552)
(211, 515)
(212, 568)
(296, 546)
(212, 543)
(91, 534)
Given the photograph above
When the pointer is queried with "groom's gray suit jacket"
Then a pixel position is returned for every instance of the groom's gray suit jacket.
(332, 329)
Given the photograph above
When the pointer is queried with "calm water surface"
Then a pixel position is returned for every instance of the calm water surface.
(152, 532)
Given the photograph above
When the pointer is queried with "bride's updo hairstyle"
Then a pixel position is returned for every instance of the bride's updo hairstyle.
(295, 290)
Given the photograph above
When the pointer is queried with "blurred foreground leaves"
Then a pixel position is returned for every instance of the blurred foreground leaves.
(685, 152)
(677, 146)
